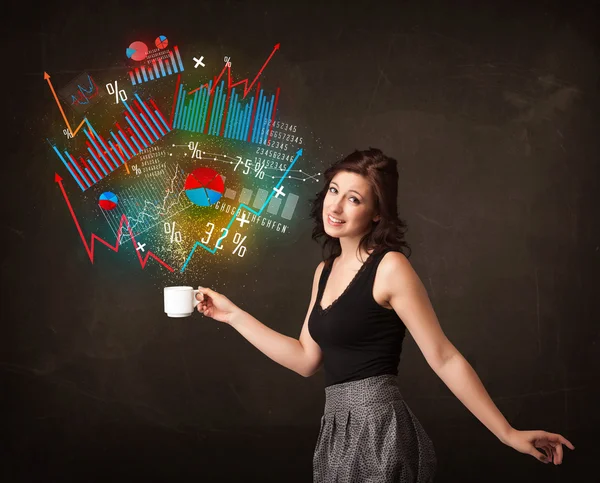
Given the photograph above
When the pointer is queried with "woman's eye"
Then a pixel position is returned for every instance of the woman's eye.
(354, 199)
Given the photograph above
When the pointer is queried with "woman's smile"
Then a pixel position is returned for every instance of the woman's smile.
(334, 221)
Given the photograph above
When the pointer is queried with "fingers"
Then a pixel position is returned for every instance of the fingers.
(203, 308)
(551, 454)
(551, 444)
(539, 456)
(564, 441)
(558, 438)
(559, 454)
(207, 291)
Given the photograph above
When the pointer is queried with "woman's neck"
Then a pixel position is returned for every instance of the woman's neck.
(352, 256)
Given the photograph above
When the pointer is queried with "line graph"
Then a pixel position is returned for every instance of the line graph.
(73, 133)
(227, 67)
(240, 207)
(81, 93)
(90, 248)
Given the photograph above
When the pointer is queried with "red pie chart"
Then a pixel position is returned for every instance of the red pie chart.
(161, 42)
(108, 201)
(204, 186)
(137, 50)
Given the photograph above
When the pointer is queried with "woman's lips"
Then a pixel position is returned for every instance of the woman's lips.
(333, 223)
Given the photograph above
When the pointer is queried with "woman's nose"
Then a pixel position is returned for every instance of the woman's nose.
(335, 207)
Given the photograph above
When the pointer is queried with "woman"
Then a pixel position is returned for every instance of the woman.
(365, 295)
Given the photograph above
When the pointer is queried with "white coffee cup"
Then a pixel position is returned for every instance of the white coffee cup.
(180, 301)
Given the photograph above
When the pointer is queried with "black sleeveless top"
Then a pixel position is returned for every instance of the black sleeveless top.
(358, 337)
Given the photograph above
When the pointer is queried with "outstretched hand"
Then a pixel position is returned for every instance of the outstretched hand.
(531, 442)
(215, 305)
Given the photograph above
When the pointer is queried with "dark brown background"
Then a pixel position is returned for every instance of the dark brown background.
(491, 110)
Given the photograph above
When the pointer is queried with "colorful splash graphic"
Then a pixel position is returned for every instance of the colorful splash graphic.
(176, 160)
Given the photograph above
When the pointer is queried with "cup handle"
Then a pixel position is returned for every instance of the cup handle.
(196, 301)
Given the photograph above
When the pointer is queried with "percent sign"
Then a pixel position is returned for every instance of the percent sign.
(196, 153)
(115, 90)
(175, 235)
(241, 249)
(67, 133)
(227, 60)
(136, 169)
(258, 171)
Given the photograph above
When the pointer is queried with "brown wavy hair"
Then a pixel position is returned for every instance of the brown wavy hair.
(381, 172)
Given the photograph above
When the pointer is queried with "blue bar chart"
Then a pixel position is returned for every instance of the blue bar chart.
(156, 68)
(221, 113)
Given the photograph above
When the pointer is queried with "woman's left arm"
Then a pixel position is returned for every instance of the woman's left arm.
(407, 295)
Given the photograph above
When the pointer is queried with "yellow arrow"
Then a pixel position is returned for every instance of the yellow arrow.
(47, 77)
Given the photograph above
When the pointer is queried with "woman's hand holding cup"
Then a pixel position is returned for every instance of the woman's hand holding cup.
(215, 305)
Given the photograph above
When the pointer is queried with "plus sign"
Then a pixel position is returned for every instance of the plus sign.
(140, 247)
(279, 192)
(242, 220)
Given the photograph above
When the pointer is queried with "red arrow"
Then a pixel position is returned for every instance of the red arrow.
(243, 81)
(90, 248)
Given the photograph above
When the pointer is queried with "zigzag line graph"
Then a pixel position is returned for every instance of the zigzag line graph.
(90, 248)
(242, 206)
(243, 81)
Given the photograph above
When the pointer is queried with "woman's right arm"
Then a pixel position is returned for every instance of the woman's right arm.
(301, 355)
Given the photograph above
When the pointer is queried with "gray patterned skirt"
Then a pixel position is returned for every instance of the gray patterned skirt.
(369, 434)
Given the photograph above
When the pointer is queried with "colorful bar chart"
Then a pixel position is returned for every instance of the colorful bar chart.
(156, 68)
(221, 113)
(144, 128)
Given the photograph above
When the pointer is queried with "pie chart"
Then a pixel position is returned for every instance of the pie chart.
(161, 42)
(204, 186)
(137, 50)
(108, 201)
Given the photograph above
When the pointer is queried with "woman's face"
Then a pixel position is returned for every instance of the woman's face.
(350, 201)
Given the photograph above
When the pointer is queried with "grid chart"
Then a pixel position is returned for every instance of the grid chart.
(155, 208)
(221, 112)
(156, 69)
(145, 127)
